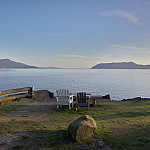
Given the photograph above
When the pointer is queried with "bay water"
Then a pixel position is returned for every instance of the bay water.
(119, 83)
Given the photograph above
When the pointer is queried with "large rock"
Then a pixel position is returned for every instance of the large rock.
(82, 128)
(106, 96)
(42, 94)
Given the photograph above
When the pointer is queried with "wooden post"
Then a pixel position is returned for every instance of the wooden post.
(89, 103)
(94, 102)
(30, 91)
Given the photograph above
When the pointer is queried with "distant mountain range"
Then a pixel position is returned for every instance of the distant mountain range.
(120, 65)
(7, 63)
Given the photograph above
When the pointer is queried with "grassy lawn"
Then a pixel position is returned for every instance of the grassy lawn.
(7, 108)
(124, 125)
(121, 125)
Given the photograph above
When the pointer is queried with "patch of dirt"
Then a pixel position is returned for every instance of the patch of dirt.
(10, 140)
(97, 144)
(31, 110)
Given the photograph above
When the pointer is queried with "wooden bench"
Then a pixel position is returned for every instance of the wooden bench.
(10, 95)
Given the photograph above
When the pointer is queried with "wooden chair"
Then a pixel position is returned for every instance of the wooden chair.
(63, 98)
(82, 100)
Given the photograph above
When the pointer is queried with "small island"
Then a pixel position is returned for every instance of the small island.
(120, 65)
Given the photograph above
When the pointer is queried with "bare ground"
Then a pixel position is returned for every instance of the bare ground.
(30, 110)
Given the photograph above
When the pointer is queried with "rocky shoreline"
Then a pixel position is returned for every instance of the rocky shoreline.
(136, 98)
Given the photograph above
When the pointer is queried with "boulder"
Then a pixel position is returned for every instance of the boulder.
(82, 128)
(106, 96)
(42, 94)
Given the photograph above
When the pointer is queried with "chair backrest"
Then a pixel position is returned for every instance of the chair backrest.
(62, 92)
(81, 97)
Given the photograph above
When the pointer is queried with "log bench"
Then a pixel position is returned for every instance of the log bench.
(12, 94)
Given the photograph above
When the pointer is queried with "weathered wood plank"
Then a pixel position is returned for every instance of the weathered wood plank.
(16, 90)
(11, 97)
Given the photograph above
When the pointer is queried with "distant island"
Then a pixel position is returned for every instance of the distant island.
(120, 65)
(7, 63)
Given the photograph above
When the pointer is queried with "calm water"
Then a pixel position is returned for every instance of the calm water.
(119, 84)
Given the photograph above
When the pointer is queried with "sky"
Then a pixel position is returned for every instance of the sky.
(75, 33)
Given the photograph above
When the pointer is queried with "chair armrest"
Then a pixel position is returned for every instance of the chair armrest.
(71, 98)
(88, 97)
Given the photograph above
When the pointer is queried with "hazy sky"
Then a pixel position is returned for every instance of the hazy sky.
(75, 33)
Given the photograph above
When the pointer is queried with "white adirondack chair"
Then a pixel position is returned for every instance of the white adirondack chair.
(63, 98)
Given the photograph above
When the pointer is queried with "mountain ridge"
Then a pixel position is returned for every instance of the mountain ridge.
(120, 65)
(7, 63)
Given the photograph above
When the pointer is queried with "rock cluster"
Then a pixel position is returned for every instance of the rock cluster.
(106, 96)
(136, 99)
(42, 94)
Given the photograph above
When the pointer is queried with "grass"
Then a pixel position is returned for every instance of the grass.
(121, 125)
(18, 147)
(7, 108)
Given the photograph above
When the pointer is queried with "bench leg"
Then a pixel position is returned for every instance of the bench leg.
(69, 106)
(76, 108)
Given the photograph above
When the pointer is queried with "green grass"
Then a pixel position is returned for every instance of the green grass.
(4, 109)
(18, 147)
(121, 125)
